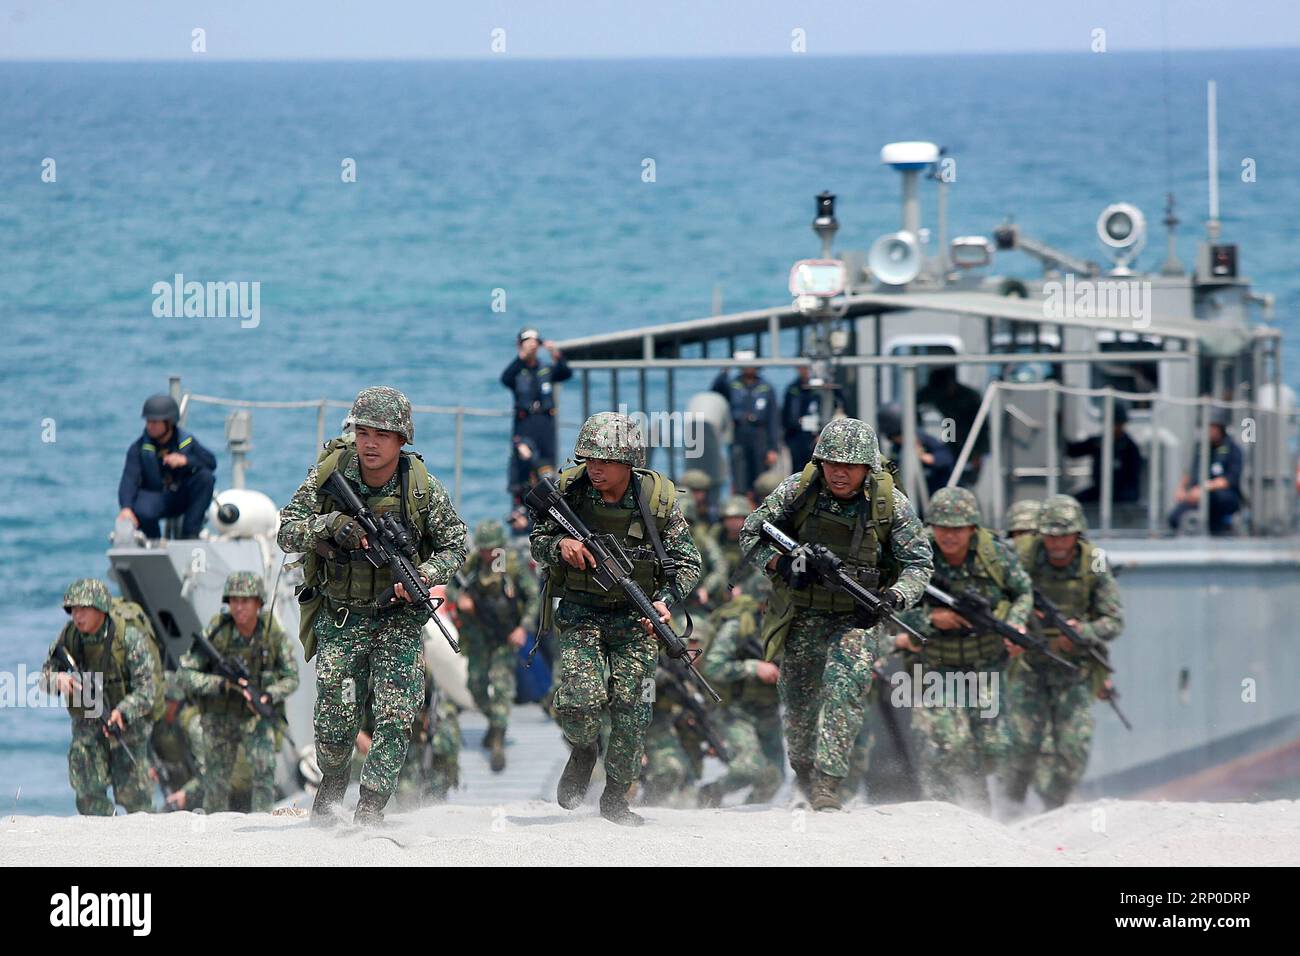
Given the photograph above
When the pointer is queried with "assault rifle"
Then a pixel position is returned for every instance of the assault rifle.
(1053, 617)
(389, 545)
(234, 671)
(830, 569)
(976, 609)
(614, 570)
(112, 730)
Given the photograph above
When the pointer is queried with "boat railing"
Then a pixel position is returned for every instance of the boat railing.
(1267, 474)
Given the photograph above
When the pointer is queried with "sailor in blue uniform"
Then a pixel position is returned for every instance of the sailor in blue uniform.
(757, 418)
(532, 385)
(167, 473)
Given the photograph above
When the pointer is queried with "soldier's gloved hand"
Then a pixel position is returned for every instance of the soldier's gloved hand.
(346, 532)
(794, 570)
(890, 600)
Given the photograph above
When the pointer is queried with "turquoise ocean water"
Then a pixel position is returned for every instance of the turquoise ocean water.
(521, 176)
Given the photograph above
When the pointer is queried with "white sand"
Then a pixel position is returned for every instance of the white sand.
(1107, 832)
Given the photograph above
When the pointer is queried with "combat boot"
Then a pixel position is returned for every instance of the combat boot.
(614, 808)
(803, 782)
(825, 791)
(328, 796)
(370, 809)
(497, 745)
(577, 776)
(709, 796)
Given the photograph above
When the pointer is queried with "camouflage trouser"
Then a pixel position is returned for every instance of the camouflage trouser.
(589, 639)
(1044, 707)
(825, 675)
(223, 734)
(96, 761)
(753, 735)
(491, 676)
(389, 651)
(667, 765)
(860, 756)
(432, 767)
(960, 742)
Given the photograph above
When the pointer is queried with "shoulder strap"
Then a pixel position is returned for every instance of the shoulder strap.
(986, 556)
(805, 497)
(1086, 554)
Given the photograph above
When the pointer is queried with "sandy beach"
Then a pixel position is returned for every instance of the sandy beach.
(1101, 833)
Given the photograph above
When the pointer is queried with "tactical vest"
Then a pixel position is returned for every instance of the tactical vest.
(346, 577)
(860, 539)
(496, 591)
(108, 657)
(260, 658)
(953, 648)
(656, 496)
(1071, 593)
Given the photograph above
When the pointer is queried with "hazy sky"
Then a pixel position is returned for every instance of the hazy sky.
(435, 29)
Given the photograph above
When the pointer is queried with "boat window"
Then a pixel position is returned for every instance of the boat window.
(1127, 376)
(894, 381)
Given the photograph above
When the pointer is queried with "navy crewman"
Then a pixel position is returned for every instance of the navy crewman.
(757, 418)
(532, 385)
(167, 473)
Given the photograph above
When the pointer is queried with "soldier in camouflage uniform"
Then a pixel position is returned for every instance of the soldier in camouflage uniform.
(700, 485)
(354, 638)
(601, 633)
(962, 741)
(246, 634)
(845, 500)
(712, 586)
(727, 535)
(177, 749)
(1022, 518)
(1046, 700)
(105, 664)
(748, 684)
(495, 596)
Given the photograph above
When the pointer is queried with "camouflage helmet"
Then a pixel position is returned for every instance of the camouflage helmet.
(610, 436)
(489, 534)
(384, 408)
(1061, 514)
(87, 592)
(850, 441)
(1023, 515)
(737, 506)
(244, 584)
(767, 482)
(696, 479)
(953, 508)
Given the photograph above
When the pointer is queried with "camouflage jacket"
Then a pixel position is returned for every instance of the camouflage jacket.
(444, 531)
(1017, 588)
(482, 582)
(1104, 618)
(677, 539)
(908, 542)
(143, 680)
(194, 674)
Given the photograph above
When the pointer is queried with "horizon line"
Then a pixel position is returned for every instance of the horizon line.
(588, 58)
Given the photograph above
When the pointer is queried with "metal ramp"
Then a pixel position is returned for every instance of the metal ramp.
(535, 757)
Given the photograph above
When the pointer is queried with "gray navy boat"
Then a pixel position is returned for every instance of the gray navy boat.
(1208, 659)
